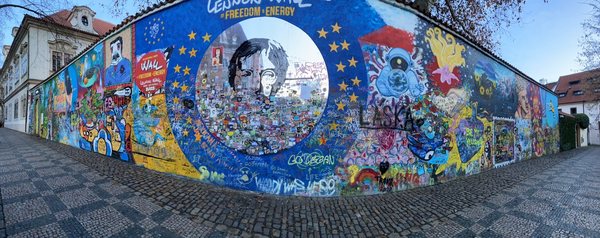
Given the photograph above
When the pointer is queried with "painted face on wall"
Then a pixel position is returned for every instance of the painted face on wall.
(256, 75)
(260, 100)
(115, 49)
(524, 109)
(258, 66)
(398, 76)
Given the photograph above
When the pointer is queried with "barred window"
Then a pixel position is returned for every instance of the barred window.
(16, 111)
(23, 106)
(67, 58)
(56, 60)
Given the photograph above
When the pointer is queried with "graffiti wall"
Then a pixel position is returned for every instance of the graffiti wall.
(293, 98)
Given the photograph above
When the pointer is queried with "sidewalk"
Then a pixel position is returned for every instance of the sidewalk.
(102, 196)
(46, 194)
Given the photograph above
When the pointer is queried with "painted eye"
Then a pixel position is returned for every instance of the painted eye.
(246, 72)
(268, 74)
(399, 63)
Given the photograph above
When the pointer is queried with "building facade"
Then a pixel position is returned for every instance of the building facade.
(40, 47)
(580, 93)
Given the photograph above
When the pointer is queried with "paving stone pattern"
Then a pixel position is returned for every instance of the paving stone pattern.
(2, 226)
(47, 194)
(491, 203)
(562, 201)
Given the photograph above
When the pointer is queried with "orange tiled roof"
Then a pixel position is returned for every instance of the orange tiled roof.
(569, 84)
(61, 17)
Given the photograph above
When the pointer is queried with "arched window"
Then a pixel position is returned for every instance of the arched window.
(84, 20)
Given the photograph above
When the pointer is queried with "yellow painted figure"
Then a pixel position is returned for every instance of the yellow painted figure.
(155, 147)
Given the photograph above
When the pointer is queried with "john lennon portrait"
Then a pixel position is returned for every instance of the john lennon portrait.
(257, 102)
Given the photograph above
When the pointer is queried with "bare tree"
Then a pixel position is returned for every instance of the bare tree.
(118, 5)
(13, 9)
(478, 19)
(589, 60)
(589, 54)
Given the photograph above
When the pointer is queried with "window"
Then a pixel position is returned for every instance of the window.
(562, 95)
(56, 60)
(24, 65)
(16, 111)
(11, 79)
(84, 20)
(59, 59)
(574, 82)
(23, 106)
(560, 110)
(67, 58)
(573, 110)
(16, 78)
(578, 93)
(17, 65)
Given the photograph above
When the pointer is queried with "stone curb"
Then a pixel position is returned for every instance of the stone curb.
(2, 220)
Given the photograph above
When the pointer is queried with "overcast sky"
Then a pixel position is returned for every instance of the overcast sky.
(543, 45)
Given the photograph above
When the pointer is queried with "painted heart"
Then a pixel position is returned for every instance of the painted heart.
(383, 167)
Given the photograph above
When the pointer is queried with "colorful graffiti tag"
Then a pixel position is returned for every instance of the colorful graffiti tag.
(285, 98)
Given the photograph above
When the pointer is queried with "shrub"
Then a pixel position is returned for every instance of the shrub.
(583, 120)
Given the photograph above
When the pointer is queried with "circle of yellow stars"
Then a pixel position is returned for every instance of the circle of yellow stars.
(344, 86)
(185, 70)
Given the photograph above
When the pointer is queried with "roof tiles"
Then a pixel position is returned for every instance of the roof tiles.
(569, 84)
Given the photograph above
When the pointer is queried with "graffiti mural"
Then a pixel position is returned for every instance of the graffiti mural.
(504, 141)
(285, 98)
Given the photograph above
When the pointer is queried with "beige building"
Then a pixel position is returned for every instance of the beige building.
(40, 47)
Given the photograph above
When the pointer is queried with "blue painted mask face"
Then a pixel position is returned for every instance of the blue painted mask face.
(397, 76)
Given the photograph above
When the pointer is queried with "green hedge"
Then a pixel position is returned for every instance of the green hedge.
(567, 127)
(583, 120)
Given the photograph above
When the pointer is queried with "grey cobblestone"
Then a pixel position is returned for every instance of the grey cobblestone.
(55, 196)
(2, 220)
(50, 230)
(545, 205)
(104, 222)
(25, 210)
(505, 201)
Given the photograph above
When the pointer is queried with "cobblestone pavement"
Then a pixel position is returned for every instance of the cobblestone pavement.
(563, 201)
(46, 194)
(221, 212)
(2, 227)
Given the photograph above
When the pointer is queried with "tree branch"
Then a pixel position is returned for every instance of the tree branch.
(22, 7)
(455, 18)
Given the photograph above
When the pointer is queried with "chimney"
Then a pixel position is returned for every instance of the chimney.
(14, 31)
(5, 50)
